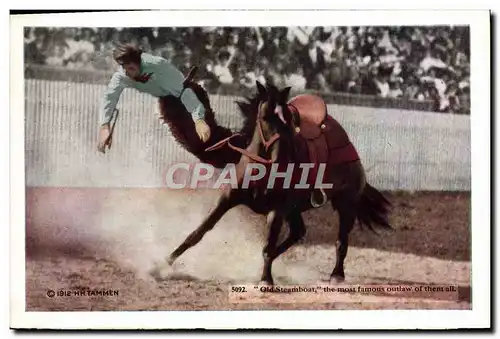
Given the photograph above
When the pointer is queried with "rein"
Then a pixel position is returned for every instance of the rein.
(267, 144)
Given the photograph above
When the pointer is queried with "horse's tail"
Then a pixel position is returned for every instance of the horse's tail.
(373, 208)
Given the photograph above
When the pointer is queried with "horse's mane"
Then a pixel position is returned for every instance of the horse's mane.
(248, 109)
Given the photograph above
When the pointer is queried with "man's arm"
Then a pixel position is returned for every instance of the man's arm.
(111, 96)
(193, 105)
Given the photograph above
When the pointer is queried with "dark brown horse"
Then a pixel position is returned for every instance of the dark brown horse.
(284, 132)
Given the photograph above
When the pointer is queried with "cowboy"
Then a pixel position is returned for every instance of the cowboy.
(148, 74)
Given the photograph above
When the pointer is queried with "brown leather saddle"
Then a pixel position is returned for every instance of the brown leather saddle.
(311, 110)
(319, 139)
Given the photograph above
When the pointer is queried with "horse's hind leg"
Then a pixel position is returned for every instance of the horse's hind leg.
(347, 217)
(297, 231)
(274, 220)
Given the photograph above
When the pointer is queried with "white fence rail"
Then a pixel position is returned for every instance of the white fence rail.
(403, 150)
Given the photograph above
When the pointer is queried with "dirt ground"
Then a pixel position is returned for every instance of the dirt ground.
(110, 238)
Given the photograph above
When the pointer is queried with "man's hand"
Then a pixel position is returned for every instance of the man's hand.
(104, 139)
(203, 130)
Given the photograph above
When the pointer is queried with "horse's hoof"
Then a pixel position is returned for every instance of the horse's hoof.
(266, 286)
(161, 272)
(336, 279)
(155, 273)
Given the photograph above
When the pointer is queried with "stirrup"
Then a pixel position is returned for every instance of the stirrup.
(324, 199)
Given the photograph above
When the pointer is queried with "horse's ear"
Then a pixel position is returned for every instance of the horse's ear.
(262, 90)
(285, 92)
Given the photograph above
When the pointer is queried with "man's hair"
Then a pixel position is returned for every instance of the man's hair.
(127, 53)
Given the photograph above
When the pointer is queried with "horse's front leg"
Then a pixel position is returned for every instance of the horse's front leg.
(225, 203)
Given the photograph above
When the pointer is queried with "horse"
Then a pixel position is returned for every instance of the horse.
(281, 132)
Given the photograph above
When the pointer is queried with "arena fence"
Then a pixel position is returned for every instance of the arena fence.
(402, 149)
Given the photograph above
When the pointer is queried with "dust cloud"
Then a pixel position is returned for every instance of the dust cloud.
(138, 227)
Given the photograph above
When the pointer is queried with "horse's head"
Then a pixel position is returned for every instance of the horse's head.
(275, 122)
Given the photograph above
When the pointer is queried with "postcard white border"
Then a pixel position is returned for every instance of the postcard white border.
(480, 125)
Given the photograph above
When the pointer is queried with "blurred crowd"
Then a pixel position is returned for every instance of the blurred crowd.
(414, 63)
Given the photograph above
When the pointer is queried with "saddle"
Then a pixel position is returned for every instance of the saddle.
(311, 110)
(319, 139)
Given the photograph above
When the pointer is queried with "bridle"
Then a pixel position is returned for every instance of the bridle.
(267, 143)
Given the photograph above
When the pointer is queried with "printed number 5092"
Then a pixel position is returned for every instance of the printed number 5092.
(239, 289)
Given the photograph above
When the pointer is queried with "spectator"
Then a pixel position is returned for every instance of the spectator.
(453, 99)
(57, 57)
(168, 52)
(411, 88)
(71, 46)
(86, 41)
(36, 46)
(296, 79)
(250, 77)
(276, 73)
(382, 84)
(395, 88)
(319, 84)
(431, 60)
(221, 69)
